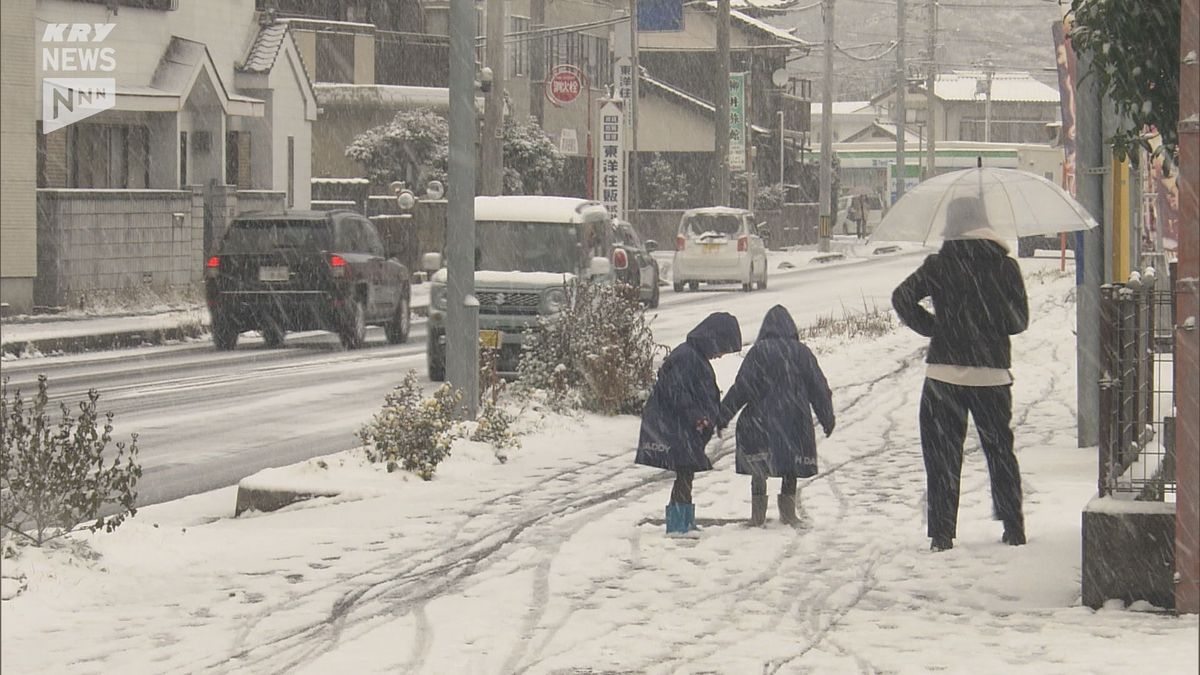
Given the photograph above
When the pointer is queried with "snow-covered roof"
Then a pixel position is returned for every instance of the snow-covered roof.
(765, 5)
(887, 128)
(538, 209)
(1015, 87)
(686, 98)
(845, 107)
(764, 28)
(970, 85)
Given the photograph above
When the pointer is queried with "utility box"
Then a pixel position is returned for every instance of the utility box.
(1128, 552)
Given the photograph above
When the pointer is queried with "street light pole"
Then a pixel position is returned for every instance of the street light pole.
(826, 180)
(462, 310)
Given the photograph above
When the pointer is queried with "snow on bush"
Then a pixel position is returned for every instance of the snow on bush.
(53, 475)
(494, 425)
(597, 355)
(411, 432)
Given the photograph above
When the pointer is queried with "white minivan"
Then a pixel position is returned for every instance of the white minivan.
(719, 245)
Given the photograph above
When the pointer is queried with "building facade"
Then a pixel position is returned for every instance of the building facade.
(18, 200)
(211, 115)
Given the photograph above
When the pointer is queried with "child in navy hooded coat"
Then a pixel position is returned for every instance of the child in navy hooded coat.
(780, 385)
(683, 410)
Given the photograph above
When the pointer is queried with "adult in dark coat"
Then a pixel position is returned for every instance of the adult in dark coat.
(978, 301)
(681, 415)
(780, 385)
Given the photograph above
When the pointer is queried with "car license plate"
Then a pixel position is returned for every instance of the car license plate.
(712, 248)
(273, 273)
(489, 339)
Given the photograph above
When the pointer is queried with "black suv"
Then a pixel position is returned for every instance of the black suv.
(305, 270)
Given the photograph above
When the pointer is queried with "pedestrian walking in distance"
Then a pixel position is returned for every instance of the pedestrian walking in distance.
(681, 415)
(978, 300)
(780, 385)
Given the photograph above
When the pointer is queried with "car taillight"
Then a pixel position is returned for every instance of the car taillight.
(743, 242)
(338, 264)
(680, 242)
(620, 259)
(212, 267)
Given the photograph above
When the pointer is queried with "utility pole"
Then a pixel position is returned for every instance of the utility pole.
(462, 310)
(901, 92)
(826, 180)
(721, 101)
(634, 193)
(493, 113)
(931, 98)
(1089, 182)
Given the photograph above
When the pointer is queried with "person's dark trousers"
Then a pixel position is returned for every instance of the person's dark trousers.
(943, 421)
(681, 492)
(758, 485)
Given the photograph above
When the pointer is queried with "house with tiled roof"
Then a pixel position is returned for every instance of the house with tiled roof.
(211, 114)
(679, 67)
(978, 105)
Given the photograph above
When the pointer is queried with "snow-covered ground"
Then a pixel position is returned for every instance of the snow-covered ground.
(555, 561)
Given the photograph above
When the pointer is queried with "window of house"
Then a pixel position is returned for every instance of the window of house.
(586, 52)
(183, 159)
(237, 159)
(105, 156)
(291, 171)
(518, 52)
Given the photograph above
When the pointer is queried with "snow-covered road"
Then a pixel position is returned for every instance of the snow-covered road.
(206, 419)
(555, 561)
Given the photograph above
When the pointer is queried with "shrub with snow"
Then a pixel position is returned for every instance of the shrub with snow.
(411, 432)
(54, 475)
(494, 424)
(598, 354)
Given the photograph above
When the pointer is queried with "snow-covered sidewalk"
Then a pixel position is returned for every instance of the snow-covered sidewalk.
(555, 561)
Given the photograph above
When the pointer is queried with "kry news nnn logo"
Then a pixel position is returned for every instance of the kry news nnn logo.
(66, 100)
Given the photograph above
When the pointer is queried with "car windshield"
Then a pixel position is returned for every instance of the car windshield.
(257, 236)
(699, 224)
(511, 246)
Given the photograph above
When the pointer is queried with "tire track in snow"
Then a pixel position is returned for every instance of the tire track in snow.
(441, 572)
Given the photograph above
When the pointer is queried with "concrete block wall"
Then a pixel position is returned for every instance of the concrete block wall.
(266, 201)
(103, 241)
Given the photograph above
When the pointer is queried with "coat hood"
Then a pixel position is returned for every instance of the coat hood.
(778, 323)
(974, 248)
(719, 333)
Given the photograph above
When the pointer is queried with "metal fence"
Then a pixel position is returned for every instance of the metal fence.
(1137, 401)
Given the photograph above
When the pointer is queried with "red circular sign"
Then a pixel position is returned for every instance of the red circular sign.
(564, 85)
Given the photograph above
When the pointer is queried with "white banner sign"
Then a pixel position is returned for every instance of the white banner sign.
(737, 122)
(610, 159)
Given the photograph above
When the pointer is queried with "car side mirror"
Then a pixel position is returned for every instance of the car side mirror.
(599, 267)
(431, 262)
(651, 246)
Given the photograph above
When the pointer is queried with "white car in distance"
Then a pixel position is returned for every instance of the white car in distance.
(719, 245)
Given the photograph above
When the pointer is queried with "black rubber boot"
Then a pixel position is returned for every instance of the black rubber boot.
(787, 510)
(758, 510)
(1014, 533)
